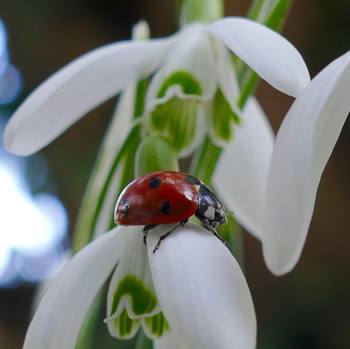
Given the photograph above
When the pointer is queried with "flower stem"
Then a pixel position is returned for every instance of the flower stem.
(200, 11)
(272, 13)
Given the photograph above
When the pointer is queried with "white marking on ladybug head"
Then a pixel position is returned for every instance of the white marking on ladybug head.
(188, 194)
(210, 213)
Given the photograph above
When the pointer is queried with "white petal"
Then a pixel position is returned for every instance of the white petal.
(226, 76)
(202, 290)
(274, 58)
(303, 146)
(192, 53)
(57, 322)
(133, 268)
(241, 174)
(77, 88)
(169, 341)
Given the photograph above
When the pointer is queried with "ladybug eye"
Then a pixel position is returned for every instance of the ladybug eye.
(154, 182)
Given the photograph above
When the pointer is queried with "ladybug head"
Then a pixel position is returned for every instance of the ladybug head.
(210, 211)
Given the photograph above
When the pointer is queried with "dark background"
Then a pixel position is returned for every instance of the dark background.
(307, 309)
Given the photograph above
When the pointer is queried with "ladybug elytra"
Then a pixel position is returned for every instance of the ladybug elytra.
(167, 197)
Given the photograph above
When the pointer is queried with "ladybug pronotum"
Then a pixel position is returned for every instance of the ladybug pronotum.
(168, 197)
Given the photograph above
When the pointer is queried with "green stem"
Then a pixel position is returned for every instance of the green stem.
(205, 160)
(273, 14)
(140, 98)
(200, 11)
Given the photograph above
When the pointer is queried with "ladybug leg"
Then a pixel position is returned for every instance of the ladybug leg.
(162, 237)
(214, 232)
(146, 230)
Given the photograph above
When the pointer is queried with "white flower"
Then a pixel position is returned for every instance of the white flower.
(273, 191)
(192, 64)
(198, 298)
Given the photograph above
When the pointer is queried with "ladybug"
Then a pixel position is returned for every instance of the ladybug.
(167, 197)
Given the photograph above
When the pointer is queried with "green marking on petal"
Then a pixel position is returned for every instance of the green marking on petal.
(176, 120)
(143, 300)
(155, 326)
(189, 84)
(126, 327)
(221, 118)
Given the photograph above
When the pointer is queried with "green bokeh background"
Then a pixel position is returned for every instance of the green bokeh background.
(307, 309)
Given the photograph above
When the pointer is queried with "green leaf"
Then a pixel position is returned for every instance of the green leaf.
(154, 154)
(88, 217)
(270, 12)
(255, 9)
(278, 14)
(127, 171)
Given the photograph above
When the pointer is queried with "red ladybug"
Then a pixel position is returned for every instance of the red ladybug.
(167, 197)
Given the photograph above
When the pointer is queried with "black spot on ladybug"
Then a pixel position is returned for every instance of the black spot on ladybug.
(154, 182)
(165, 208)
(124, 209)
(192, 180)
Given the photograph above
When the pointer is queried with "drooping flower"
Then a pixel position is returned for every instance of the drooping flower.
(203, 305)
(193, 74)
(273, 191)
(193, 82)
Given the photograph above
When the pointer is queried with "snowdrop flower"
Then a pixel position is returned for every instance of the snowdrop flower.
(273, 191)
(192, 74)
(191, 293)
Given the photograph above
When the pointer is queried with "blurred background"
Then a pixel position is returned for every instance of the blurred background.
(307, 309)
